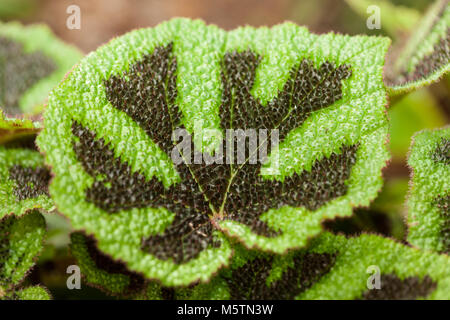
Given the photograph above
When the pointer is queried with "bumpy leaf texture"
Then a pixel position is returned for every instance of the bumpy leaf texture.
(112, 122)
(30, 293)
(21, 240)
(24, 179)
(425, 57)
(333, 267)
(32, 62)
(113, 277)
(429, 194)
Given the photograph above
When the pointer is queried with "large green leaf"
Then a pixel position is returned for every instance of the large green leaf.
(429, 194)
(23, 181)
(333, 267)
(21, 240)
(108, 138)
(32, 61)
(425, 57)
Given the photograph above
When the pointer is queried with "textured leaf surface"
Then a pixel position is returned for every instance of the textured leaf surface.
(100, 271)
(429, 194)
(30, 293)
(425, 57)
(333, 267)
(23, 181)
(34, 293)
(414, 112)
(21, 240)
(111, 122)
(32, 62)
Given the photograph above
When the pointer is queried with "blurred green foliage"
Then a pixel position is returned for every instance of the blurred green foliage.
(16, 9)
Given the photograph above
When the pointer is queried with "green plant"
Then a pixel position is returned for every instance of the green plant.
(21, 240)
(425, 57)
(331, 268)
(339, 90)
(23, 181)
(429, 198)
(32, 62)
(139, 140)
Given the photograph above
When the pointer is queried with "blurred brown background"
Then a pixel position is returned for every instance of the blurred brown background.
(102, 20)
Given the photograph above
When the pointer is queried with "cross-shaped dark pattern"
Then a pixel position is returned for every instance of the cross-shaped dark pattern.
(207, 193)
(19, 71)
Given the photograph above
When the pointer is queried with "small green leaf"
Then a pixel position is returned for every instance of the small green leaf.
(29, 293)
(16, 129)
(113, 277)
(429, 194)
(23, 181)
(333, 267)
(21, 240)
(32, 62)
(424, 59)
(112, 122)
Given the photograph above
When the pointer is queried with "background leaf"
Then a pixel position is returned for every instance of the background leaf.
(26, 88)
(102, 272)
(424, 59)
(21, 240)
(428, 202)
(23, 181)
(395, 19)
(110, 189)
(30, 293)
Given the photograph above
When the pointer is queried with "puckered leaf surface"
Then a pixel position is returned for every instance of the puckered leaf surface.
(21, 240)
(425, 58)
(333, 267)
(32, 62)
(102, 272)
(23, 181)
(109, 127)
(429, 194)
(31, 293)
